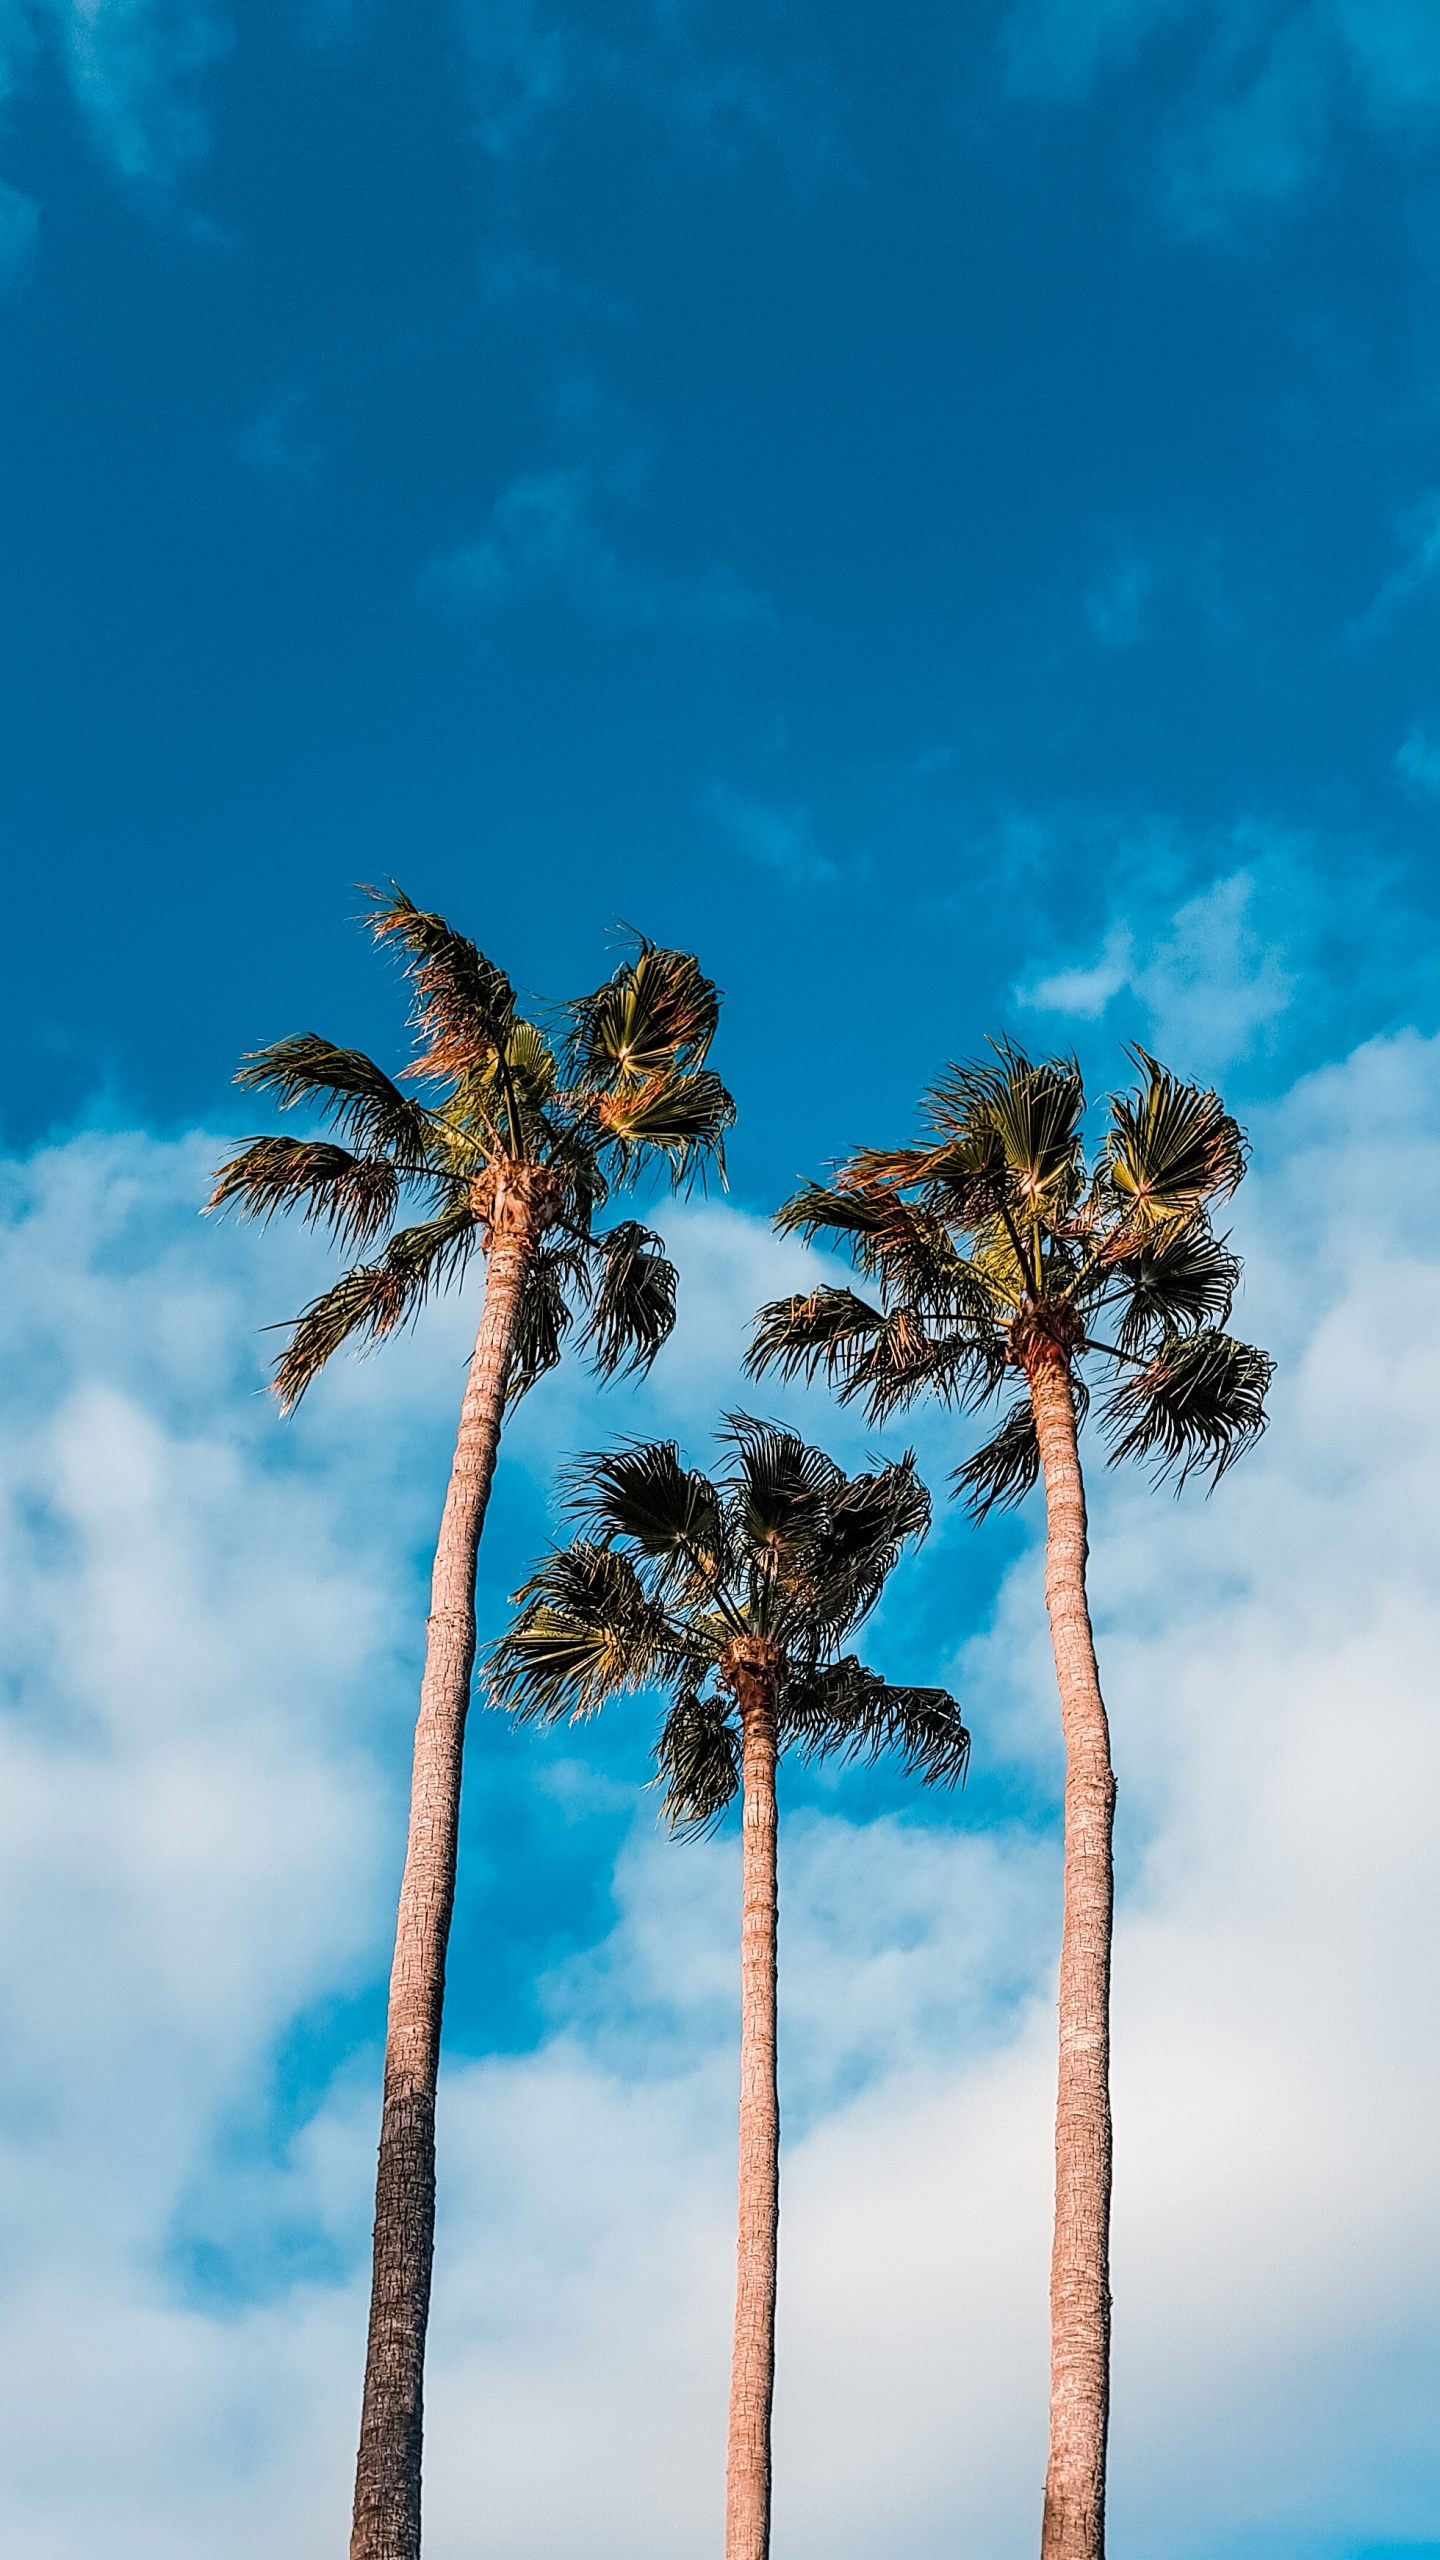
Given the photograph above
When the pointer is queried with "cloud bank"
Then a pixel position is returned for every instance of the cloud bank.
(208, 1648)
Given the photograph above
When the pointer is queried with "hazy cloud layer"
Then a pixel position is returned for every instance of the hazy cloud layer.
(202, 1737)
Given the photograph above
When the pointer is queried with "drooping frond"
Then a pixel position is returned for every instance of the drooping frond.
(1000, 1475)
(374, 1298)
(1172, 1148)
(886, 1360)
(544, 1318)
(849, 1209)
(869, 1520)
(355, 1096)
(354, 1196)
(585, 1631)
(631, 1285)
(1196, 1406)
(849, 1712)
(831, 1329)
(1176, 1282)
(464, 1005)
(658, 1014)
(698, 1760)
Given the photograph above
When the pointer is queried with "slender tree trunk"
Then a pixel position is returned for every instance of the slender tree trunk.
(752, 2372)
(1074, 2525)
(387, 2476)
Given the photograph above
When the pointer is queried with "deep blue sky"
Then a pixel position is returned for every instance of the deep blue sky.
(881, 495)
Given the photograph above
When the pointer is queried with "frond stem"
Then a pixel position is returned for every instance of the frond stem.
(1021, 1255)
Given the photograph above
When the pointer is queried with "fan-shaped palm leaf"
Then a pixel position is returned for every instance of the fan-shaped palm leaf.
(657, 1014)
(1172, 1147)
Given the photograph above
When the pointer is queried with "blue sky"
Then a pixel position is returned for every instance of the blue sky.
(938, 510)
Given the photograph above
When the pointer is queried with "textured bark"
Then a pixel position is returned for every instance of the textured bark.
(752, 2372)
(515, 1206)
(1074, 2522)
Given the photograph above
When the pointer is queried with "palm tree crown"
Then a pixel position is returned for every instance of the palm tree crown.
(513, 1112)
(993, 1244)
(701, 1586)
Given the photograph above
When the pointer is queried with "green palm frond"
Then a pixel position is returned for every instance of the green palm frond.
(374, 1298)
(464, 1005)
(357, 1098)
(698, 1762)
(1172, 1148)
(532, 1062)
(586, 1631)
(1013, 1111)
(677, 1578)
(869, 1520)
(631, 1287)
(778, 1496)
(850, 1209)
(847, 1712)
(658, 1014)
(671, 1515)
(884, 1360)
(354, 1196)
(1176, 1282)
(829, 1329)
(1196, 1406)
(681, 1117)
(997, 1238)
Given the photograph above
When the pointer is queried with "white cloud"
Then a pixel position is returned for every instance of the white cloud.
(1084, 992)
(545, 535)
(1208, 980)
(199, 1805)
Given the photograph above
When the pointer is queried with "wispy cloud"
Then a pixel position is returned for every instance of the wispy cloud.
(724, 87)
(1267, 88)
(1116, 602)
(19, 231)
(1418, 763)
(282, 442)
(780, 840)
(1209, 980)
(546, 535)
(135, 69)
(1417, 569)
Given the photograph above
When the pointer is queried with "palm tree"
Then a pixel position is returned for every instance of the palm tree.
(733, 1596)
(994, 1248)
(521, 1136)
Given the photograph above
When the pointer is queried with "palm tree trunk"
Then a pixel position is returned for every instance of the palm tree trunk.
(387, 2477)
(752, 2372)
(1074, 2525)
